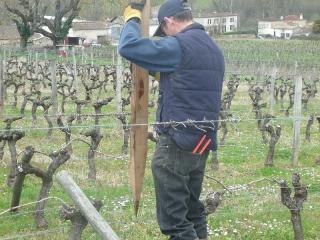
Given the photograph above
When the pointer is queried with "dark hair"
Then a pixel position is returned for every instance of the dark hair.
(183, 16)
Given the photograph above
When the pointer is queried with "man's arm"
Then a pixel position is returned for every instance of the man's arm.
(161, 55)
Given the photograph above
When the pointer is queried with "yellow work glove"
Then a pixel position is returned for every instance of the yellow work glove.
(130, 13)
(133, 10)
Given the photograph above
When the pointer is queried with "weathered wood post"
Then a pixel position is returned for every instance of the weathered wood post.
(29, 56)
(119, 83)
(82, 55)
(45, 54)
(75, 72)
(86, 207)
(296, 119)
(272, 89)
(91, 52)
(4, 72)
(139, 115)
(1, 89)
(54, 90)
(36, 71)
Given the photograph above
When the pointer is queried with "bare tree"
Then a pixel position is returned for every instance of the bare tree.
(62, 22)
(27, 18)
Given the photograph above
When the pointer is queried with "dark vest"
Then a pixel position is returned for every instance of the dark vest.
(193, 92)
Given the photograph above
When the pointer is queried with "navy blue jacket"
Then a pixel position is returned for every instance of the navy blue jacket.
(191, 89)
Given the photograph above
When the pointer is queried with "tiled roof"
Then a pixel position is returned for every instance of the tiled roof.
(283, 25)
(269, 19)
(88, 26)
(291, 18)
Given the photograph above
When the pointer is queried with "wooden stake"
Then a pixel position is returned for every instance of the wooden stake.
(119, 83)
(1, 88)
(75, 73)
(139, 115)
(54, 88)
(297, 118)
(272, 89)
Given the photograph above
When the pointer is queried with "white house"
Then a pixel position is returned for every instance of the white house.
(86, 32)
(217, 22)
(213, 21)
(285, 27)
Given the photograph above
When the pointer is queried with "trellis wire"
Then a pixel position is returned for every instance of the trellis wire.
(165, 124)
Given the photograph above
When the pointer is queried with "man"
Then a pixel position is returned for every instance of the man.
(191, 70)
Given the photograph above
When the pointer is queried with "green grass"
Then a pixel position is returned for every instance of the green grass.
(251, 212)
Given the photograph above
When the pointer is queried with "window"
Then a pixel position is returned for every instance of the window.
(209, 21)
(232, 27)
(216, 20)
(282, 35)
(287, 35)
(231, 19)
(224, 20)
(224, 29)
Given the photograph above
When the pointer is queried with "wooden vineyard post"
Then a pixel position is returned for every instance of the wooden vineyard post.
(119, 83)
(1, 88)
(75, 73)
(272, 89)
(54, 88)
(296, 118)
(139, 115)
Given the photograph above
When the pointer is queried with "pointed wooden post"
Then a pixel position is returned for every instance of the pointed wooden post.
(139, 115)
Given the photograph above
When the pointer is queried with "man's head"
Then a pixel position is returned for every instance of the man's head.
(173, 16)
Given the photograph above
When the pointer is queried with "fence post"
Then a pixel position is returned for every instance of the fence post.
(86, 207)
(91, 52)
(29, 56)
(37, 66)
(54, 93)
(75, 73)
(119, 83)
(82, 54)
(296, 118)
(272, 89)
(4, 73)
(1, 89)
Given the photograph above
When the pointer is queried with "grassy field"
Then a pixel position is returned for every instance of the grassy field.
(252, 211)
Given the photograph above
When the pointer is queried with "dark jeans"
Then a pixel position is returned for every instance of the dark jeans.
(178, 177)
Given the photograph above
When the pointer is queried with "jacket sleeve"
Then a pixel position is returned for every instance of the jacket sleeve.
(159, 55)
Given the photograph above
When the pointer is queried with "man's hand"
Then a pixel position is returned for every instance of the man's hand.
(133, 10)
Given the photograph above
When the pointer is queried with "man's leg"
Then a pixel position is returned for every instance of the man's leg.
(172, 191)
(196, 212)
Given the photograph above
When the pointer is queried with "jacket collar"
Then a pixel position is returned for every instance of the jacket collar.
(193, 26)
